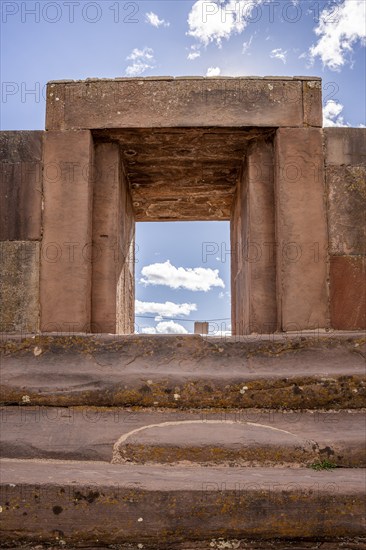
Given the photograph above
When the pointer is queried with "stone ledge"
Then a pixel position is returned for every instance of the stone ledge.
(81, 501)
(187, 77)
(89, 433)
(184, 372)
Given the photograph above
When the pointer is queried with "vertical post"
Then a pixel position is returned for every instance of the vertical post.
(301, 229)
(113, 241)
(65, 276)
(253, 244)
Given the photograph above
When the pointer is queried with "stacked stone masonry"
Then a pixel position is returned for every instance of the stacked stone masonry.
(248, 150)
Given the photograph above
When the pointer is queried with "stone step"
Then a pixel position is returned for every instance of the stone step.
(237, 437)
(319, 543)
(84, 502)
(296, 372)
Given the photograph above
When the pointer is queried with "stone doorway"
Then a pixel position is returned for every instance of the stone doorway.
(244, 150)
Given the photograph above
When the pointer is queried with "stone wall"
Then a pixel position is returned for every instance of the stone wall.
(345, 162)
(20, 229)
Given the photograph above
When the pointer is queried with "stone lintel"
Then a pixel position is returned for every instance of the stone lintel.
(179, 102)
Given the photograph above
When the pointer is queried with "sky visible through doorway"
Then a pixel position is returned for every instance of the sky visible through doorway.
(182, 275)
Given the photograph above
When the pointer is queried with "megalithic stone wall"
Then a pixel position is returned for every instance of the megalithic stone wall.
(345, 161)
(61, 202)
(20, 229)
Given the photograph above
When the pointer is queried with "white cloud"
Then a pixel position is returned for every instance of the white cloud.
(146, 53)
(142, 60)
(213, 71)
(165, 327)
(332, 114)
(339, 28)
(193, 55)
(168, 309)
(279, 53)
(154, 20)
(215, 21)
(247, 44)
(166, 274)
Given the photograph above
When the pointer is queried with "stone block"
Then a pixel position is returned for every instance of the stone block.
(312, 101)
(20, 185)
(346, 188)
(195, 102)
(348, 292)
(301, 224)
(67, 251)
(113, 231)
(345, 159)
(19, 286)
(254, 308)
(345, 146)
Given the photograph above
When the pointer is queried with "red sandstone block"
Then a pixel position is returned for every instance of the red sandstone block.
(301, 222)
(348, 292)
(65, 277)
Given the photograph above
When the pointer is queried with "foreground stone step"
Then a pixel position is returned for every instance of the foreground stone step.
(321, 371)
(237, 437)
(84, 502)
(339, 543)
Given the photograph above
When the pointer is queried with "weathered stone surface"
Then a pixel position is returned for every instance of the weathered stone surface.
(253, 245)
(233, 443)
(175, 102)
(182, 173)
(113, 238)
(20, 185)
(89, 433)
(348, 292)
(312, 101)
(77, 502)
(19, 286)
(298, 543)
(67, 251)
(302, 294)
(185, 371)
(345, 146)
(345, 160)
(347, 209)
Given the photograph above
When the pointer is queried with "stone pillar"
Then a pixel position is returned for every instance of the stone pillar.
(113, 234)
(65, 278)
(253, 245)
(301, 228)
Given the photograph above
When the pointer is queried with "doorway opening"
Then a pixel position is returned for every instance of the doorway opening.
(182, 277)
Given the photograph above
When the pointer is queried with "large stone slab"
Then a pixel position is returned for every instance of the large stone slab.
(348, 292)
(253, 250)
(81, 502)
(229, 442)
(166, 102)
(185, 371)
(20, 185)
(113, 240)
(345, 158)
(345, 146)
(239, 436)
(67, 248)
(301, 229)
(19, 286)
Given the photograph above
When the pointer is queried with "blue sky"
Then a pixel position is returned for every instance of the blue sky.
(53, 40)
